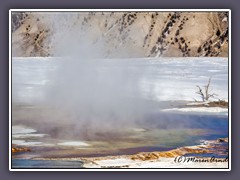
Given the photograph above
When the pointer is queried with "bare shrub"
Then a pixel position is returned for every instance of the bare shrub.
(205, 94)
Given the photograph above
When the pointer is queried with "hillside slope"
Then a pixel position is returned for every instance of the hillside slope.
(121, 34)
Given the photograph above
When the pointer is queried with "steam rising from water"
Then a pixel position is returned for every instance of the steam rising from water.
(94, 95)
(89, 96)
(97, 94)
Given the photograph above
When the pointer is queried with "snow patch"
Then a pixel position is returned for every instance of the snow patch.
(22, 130)
(25, 143)
(159, 163)
(23, 136)
(138, 130)
(199, 109)
(74, 143)
(115, 162)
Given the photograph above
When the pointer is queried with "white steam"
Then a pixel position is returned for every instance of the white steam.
(90, 93)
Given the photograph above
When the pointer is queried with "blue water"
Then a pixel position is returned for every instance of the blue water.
(28, 163)
(214, 126)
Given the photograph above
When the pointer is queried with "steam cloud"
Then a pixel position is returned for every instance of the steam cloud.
(91, 97)
(93, 94)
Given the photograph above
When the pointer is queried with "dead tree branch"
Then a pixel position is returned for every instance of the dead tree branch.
(206, 95)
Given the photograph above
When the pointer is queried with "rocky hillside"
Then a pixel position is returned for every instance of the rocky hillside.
(124, 34)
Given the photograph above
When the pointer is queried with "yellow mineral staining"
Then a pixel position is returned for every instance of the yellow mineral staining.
(19, 149)
(200, 149)
(167, 154)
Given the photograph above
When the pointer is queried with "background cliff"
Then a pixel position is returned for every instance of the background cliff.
(121, 34)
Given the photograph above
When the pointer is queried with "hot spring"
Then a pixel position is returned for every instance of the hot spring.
(66, 107)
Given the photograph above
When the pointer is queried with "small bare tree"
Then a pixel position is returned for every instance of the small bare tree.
(205, 95)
